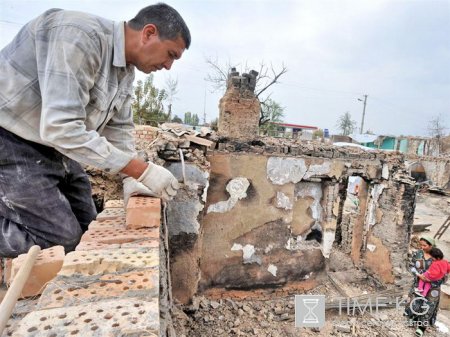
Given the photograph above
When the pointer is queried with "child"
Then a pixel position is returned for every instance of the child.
(438, 269)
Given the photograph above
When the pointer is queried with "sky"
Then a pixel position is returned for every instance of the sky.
(336, 51)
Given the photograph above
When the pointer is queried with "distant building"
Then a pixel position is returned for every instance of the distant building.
(420, 146)
(286, 130)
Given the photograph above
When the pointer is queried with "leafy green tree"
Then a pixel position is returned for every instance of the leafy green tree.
(346, 124)
(191, 119)
(271, 112)
(177, 119)
(187, 118)
(148, 101)
(195, 120)
(318, 134)
(214, 124)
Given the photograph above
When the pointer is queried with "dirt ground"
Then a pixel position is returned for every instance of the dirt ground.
(270, 313)
(433, 209)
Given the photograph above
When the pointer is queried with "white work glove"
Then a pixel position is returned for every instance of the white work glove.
(160, 181)
(132, 187)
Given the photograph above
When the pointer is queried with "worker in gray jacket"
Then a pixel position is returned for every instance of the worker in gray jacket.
(65, 99)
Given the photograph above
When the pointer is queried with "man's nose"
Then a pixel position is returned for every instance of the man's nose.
(168, 64)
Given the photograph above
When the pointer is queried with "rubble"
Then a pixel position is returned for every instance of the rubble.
(273, 315)
(256, 222)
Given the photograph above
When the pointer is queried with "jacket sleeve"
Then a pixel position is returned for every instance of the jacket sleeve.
(433, 273)
(119, 129)
(68, 59)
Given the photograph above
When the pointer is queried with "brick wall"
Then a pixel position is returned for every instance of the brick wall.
(239, 108)
(110, 285)
(145, 132)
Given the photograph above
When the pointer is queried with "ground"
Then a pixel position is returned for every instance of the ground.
(270, 313)
(434, 209)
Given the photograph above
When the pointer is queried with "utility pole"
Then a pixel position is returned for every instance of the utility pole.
(364, 113)
(204, 109)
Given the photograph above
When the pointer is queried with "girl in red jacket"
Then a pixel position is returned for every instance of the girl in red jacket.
(438, 269)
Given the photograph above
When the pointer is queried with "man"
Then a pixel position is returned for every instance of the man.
(65, 97)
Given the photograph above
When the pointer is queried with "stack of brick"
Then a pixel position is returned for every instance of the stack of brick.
(110, 285)
(145, 132)
(239, 108)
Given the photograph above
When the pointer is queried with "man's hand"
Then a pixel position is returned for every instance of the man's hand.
(132, 187)
(159, 181)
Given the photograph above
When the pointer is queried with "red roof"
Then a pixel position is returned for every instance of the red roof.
(296, 126)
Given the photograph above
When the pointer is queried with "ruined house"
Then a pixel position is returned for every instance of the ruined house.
(269, 212)
(253, 212)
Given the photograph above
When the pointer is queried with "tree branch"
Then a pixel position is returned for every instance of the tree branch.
(274, 80)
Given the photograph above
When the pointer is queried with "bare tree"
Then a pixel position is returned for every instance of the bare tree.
(346, 124)
(267, 76)
(437, 129)
(171, 90)
(219, 73)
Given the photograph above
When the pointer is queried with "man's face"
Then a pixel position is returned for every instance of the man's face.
(156, 54)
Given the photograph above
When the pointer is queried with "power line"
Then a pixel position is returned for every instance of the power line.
(11, 22)
(319, 89)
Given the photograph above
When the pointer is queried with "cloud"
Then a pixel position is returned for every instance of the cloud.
(397, 52)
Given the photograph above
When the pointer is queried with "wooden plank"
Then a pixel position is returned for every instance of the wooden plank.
(198, 140)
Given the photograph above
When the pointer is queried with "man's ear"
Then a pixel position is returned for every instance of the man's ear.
(148, 32)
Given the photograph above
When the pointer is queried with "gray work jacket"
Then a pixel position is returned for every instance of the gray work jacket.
(64, 83)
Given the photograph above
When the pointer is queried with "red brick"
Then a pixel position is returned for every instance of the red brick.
(92, 245)
(63, 293)
(115, 317)
(103, 261)
(110, 213)
(47, 265)
(143, 212)
(111, 235)
(148, 243)
(116, 203)
(117, 222)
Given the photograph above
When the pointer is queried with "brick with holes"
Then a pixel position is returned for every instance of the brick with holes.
(95, 262)
(117, 222)
(92, 245)
(118, 317)
(110, 213)
(47, 265)
(63, 291)
(119, 235)
(143, 212)
(114, 204)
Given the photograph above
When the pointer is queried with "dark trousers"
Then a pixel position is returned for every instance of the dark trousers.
(45, 197)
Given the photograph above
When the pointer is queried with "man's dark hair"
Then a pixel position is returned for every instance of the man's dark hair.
(167, 20)
(437, 253)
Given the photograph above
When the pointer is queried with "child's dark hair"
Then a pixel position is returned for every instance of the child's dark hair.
(436, 253)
